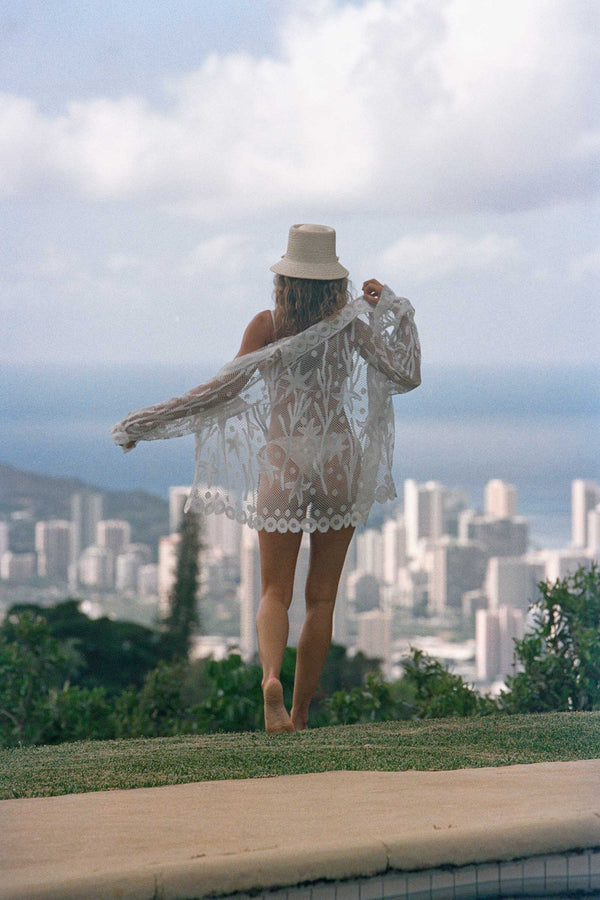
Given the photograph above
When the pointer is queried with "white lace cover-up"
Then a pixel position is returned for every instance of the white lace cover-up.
(298, 435)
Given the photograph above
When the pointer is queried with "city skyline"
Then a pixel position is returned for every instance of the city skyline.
(434, 558)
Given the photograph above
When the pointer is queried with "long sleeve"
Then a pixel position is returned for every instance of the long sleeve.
(179, 415)
(390, 342)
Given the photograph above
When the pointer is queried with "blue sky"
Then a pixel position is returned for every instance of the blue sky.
(153, 156)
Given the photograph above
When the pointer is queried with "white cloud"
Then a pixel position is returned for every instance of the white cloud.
(385, 105)
(433, 256)
(224, 256)
(586, 265)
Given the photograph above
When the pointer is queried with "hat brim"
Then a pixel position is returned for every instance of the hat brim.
(316, 271)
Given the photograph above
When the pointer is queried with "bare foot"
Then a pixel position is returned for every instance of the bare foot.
(299, 720)
(277, 720)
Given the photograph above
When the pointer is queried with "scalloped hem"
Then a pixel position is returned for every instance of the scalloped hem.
(281, 524)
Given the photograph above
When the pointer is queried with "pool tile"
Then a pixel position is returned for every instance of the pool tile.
(347, 890)
(556, 873)
(595, 870)
(578, 871)
(488, 880)
(511, 878)
(418, 885)
(394, 886)
(442, 884)
(371, 889)
(534, 876)
(465, 883)
(323, 892)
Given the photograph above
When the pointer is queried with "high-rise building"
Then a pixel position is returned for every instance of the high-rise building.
(500, 499)
(4, 538)
(369, 552)
(393, 534)
(341, 623)
(374, 635)
(509, 581)
(178, 495)
(96, 568)
(17, 567)
(413, 588)
(113, 535)
(167, 569)
(593, 531)
(126, 572)
(495, 634)
(53, 541)
(423, 513)
(249, 593)
(585, 496)
(561, 563)
(498, 537)
(87, 509)
(147, 585)
(220, 533)
(362, 590)
(455, 501)
(458, 567)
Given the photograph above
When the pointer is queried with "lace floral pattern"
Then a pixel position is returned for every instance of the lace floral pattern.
(298, 435)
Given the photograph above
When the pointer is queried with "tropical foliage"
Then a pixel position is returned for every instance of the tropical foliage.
(52, 690)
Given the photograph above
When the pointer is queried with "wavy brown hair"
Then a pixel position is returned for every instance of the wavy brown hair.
(301, 302)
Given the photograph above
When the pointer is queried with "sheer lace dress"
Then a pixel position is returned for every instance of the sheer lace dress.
(299, 434)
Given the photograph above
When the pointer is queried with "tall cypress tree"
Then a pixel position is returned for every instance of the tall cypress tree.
(184, 619)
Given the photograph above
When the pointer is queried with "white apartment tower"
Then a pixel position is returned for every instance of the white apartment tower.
(423, 513)
(495, 634)
(86, 511)
(370, 552)
(96, 568)
(4, 539)
(500, 499)
(498, 537)
(178, 495)
(510, 581)
(458, 567)
(147, 584)
(393, 534)
(593, 531)
(17, 567)
(113, 535)
(249, 593)
(585, 496)
(167, 569)
(374, 634)
(53, 547)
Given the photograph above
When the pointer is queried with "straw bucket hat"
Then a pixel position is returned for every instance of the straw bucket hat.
(311, 254)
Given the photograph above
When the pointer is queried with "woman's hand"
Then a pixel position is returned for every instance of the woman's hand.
(372, 290)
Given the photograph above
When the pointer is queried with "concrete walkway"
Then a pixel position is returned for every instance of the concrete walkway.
(224, 836)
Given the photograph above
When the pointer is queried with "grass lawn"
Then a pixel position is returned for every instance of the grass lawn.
(384, 746)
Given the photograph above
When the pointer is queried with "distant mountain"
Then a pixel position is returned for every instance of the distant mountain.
(47, 497)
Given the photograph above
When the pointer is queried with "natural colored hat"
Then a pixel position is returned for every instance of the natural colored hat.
(311, 254)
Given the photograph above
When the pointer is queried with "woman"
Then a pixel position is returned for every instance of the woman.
(297, 434)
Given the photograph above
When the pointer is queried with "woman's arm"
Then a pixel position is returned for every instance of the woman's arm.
(390, 342)
(161, 420)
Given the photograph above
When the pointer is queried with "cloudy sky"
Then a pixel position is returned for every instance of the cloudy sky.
(153, 156)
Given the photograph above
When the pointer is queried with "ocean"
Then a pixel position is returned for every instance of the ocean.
(537, 427)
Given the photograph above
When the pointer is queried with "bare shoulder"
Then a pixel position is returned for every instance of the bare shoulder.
(258, 333)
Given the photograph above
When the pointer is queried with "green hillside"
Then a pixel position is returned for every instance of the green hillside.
(46, 497)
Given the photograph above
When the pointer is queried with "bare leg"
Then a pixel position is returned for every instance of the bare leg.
(278, 555)
(327, 555)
